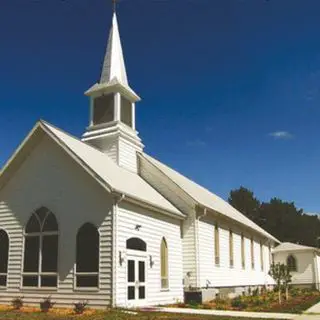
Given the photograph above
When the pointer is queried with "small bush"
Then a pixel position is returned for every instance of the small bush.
(255, 292)
(194, 304)
(221, 304)
(238, 303)
(17, 303)
(80, 307)
(46, 304)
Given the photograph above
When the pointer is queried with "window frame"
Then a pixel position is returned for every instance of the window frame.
(295, 264)
(231, 249)
(87, 274)
(98, 123)
(39, 274)
(261, 256)
(243, 251)
(166, 260)
(252, 255)
(216, 245)
(7, 264)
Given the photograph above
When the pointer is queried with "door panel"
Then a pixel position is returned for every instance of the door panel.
(136, 278)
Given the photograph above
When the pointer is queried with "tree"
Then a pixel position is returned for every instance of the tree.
(244, 200)
(286, 279)
(281, 274)
(276, 273)
(280, 218)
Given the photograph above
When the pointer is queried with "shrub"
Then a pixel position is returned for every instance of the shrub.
(255, 292)
(238, 303)
(220, 304)
(194, 304)
(17, 303)
(80, 307)
(46, 304)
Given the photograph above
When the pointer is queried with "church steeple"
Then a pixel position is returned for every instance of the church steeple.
(113, 65)
(112, 108)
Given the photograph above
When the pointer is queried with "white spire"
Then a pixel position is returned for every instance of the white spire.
(113, 65)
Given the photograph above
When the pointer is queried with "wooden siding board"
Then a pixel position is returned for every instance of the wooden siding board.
(153, 228)
(305, 266)
(223, 275)
(185, 204)
(50, 172)
(127, 156)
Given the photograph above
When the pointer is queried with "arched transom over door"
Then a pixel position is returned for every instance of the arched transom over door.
(40, 267)
(4, 255)
(136, 271)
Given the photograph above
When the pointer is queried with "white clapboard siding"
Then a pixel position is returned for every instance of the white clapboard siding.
(223, 275)
(153, 228)
(185, 204)
(305, 265)
(317, 270)
(50, 178)
(127, 155)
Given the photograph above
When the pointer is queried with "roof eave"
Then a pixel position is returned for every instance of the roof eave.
(267, 235)
(105, 88)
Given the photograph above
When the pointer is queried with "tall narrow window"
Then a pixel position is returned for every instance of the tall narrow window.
(243, 253)
(270, 255)
(292, 263)
(231, 248)
(164, 264)
(216, 245)
(40, 268)
(4, 254)
(252, 253)
(261, 256)
(87, 259)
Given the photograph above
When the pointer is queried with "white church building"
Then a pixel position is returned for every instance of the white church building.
(98, 219)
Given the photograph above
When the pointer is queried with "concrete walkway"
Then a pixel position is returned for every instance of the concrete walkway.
(314, 309)
(224, 313)
(312, 313)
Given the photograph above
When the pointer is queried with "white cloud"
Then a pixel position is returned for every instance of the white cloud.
(196, 143)
(284, 135)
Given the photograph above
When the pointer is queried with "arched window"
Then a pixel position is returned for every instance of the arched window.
(292, 263)
(136, 244)
(40, 268)
(87, 259)
(164, 264)
(4, 254)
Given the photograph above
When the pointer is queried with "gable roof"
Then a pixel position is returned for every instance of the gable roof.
(206, 198)
(289, 246)
(114, 178)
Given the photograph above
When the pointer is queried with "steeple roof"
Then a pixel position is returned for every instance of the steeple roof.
(113, 65)
(114, 75)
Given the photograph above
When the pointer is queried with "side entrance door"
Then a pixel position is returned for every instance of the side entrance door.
(136, 281)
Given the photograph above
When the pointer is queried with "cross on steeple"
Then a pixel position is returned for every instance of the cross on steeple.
(114, 5)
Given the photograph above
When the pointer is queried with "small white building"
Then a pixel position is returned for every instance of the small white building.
(98, 219)
(303, 262)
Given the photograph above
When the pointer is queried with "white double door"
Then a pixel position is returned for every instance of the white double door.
(136, 280)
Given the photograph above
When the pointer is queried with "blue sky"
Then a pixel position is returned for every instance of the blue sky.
(230, 88)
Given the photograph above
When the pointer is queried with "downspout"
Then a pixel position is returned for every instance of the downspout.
(198, 246)
(117, 199)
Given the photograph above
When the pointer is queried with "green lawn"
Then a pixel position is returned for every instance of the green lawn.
(10, 315)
